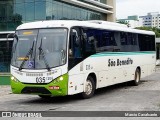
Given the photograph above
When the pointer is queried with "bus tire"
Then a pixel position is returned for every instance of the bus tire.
(44, 96)
(137, 77)
(89, 88)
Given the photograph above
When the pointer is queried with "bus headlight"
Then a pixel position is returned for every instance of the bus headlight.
(14, 79)
(59, 79)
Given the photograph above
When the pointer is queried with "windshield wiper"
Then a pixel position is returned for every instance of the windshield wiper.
(44, 57)
(27, 56)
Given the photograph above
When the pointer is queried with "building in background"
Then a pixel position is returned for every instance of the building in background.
(16, 12)
(131, 21)
(151, 20)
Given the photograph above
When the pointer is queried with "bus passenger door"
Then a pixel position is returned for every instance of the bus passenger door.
(75, 48)
(75, 65)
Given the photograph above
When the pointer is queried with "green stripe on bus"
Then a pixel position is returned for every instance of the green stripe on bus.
(121, 53)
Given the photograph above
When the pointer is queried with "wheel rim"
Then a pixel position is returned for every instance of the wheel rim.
(88, 87)
(137, 77)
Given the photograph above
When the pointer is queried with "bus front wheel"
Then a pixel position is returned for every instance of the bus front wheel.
(137, 77)
(89, 88)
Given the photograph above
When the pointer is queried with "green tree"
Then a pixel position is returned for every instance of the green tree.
(154, 29)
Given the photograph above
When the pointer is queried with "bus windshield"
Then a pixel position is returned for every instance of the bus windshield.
(39, 48)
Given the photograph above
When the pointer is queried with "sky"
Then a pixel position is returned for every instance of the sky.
(126, 8)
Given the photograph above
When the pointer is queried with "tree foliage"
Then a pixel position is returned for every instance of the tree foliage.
(154, 29)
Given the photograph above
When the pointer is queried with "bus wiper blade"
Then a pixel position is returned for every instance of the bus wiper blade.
(27, 56)
(44, 57)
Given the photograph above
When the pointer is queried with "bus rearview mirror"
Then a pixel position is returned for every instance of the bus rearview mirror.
(11, 35)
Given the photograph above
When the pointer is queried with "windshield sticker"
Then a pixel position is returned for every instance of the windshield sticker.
(23, 58)
(28, 33)
(30, 64)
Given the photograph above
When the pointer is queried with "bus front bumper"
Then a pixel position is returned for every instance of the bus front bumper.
(57, 87)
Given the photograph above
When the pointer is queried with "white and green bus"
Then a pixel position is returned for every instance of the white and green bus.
(62, 57)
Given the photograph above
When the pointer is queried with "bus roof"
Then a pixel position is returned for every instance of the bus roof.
(91, 24)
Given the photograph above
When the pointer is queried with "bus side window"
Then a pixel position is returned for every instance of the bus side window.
(90, 42)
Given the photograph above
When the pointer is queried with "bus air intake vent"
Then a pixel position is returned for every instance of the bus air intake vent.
(42, 90)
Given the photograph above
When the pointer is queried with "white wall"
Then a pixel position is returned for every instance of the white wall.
(133, 23)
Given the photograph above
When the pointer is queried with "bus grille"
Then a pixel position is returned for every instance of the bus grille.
(42, 90)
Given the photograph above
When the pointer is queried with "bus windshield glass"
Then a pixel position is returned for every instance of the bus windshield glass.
(39, 48)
